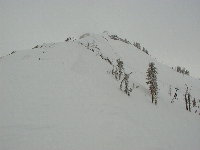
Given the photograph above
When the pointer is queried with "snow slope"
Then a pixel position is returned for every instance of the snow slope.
(62, 96)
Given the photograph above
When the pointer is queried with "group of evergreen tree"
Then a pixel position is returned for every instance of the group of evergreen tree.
(115, 37)
(119, 73)
(118, 69)
(145, 50)
(138, 45)
(125, 81)
(70, 39)
(181, 70)
(189, 101)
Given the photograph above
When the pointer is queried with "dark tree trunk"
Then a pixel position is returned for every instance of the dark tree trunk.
(186, 103)
(189, 102)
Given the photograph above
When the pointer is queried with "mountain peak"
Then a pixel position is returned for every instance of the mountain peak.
(91, 93)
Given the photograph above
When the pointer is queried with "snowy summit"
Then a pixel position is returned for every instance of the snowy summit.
(96, 92)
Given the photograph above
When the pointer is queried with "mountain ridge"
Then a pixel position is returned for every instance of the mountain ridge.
(64, 96)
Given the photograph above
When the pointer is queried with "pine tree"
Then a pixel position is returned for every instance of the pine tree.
(152, 81)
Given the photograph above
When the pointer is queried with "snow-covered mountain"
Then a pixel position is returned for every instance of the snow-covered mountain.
(63, 96)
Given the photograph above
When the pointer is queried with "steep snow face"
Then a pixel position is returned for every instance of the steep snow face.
(63, 96)
(137, 61)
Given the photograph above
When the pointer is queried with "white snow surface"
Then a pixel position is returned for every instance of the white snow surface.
(62, 96)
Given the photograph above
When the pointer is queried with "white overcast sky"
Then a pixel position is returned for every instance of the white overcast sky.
(169, 29)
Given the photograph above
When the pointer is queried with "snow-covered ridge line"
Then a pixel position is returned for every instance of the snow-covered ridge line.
(74, 95)
(91, 42)
(102, 46)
